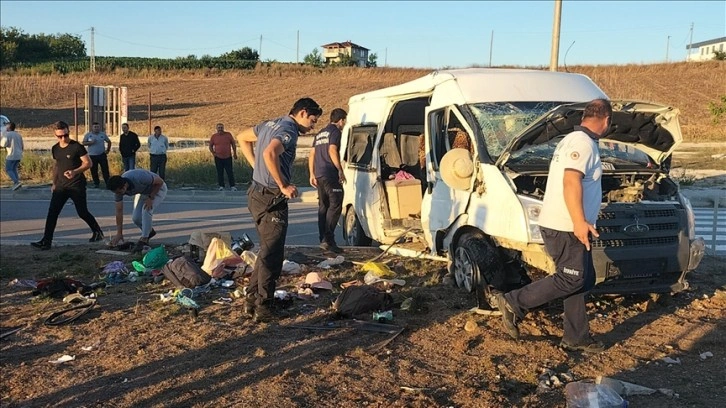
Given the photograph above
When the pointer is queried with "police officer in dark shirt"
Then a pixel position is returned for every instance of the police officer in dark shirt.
(71, 160)
(271, 159)
(326, 174)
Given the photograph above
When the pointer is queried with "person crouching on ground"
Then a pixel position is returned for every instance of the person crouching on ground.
(149, 191)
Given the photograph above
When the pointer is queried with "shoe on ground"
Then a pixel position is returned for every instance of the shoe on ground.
(266, 313)
(509, 320)
(249, 306)
(220, 188)
(43, 245)
(325, 246)
(139, 246)
(233, 188)
(17, 186)
(152, 233)
(591, 346)
(97, 236)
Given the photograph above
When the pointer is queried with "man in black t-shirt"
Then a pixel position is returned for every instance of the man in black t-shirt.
(326, 173)
(71, 160)
(128, 145)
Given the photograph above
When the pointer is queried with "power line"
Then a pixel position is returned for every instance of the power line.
(175, 49)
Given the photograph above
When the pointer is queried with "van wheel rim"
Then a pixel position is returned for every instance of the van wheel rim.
(464, 269)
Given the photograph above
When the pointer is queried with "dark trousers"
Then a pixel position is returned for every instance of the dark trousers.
(158, 165)
(224, 165)
(57, 200)
(330, 205)
(96, 161)
(572, 280)
(270, 216)
(129, 162)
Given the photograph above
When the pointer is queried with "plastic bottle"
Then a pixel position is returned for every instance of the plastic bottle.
(383, 317)
(581, 394)
(249, 257)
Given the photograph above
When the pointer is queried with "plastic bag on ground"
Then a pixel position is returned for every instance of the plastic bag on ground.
(290, 267)
(581, 394)
(326, 264)
(219, 255)
(379, 269)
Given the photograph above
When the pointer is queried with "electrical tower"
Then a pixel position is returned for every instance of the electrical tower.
(93, 51)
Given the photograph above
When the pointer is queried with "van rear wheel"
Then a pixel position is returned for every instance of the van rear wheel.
(353, 233)
(478, 268)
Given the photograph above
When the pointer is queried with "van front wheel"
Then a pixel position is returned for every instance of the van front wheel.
(477, 266)
(353, 233)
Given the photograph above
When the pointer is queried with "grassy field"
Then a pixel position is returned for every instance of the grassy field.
(189, 104)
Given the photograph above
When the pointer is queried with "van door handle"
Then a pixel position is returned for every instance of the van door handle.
(429, 186)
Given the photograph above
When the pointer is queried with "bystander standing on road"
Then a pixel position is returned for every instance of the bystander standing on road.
(13, 143)
(149, 191)
(223, 148)
(569, 211)
(326, 174)
(128, 145)
(270, 149)
(98, 145)
(71, 160)
(158, 146)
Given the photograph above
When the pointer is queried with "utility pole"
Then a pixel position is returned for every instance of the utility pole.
(297, 55)
(668, 46)
(93, 50)
(491, 45)
(259, 54)
(555, 55)
(690, 44)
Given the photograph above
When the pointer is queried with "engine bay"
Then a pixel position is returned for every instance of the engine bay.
(616, 188)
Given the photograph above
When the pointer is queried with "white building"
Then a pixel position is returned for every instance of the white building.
(334, 51)
(706, 49)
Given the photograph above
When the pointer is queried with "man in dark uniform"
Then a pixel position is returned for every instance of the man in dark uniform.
(326, 174)
(71, 160)
(569, 211)
(271, 187)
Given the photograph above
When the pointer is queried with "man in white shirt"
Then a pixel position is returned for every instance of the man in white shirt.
(570, 209)
(158, 145)
(98, 145)
(13, 142)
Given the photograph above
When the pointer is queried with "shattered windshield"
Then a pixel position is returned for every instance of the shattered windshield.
(500, 122)
(613, 155)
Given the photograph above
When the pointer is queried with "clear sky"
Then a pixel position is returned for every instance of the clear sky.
(429, 34)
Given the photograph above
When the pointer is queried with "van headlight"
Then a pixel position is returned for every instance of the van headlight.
(690, 215)
(532, 209)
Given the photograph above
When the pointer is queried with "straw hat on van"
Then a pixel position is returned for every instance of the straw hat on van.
(456, 169)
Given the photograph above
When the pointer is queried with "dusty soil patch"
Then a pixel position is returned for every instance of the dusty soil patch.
(148, 353)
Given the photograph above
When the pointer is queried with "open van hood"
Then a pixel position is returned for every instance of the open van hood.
(647, 127)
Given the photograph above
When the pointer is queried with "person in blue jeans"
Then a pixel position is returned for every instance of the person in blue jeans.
(13, 142)
(98, 145)
(128, 145)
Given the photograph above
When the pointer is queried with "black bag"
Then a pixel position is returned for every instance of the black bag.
(184, 273)
(361, 299)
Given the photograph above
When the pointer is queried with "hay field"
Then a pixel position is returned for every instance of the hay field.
(189, 104)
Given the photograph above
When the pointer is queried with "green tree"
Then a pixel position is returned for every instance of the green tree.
(719, 55)
(66, 46)
(314, 58)
(372, 60)
(345, 60)
(243, 54)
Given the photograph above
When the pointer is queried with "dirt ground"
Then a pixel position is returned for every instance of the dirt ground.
(133, 350)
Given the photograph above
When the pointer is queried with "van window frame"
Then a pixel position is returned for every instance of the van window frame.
(369, 148)
(440, 145)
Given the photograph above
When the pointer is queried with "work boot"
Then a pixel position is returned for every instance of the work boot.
(268, 312)
(328, 247)
(139, 246)
(43, 245)
(152, 233)
(508, 318)
(97, 236)
(590, 346)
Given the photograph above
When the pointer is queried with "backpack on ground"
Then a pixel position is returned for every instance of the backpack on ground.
(182, 272)
(361, 299)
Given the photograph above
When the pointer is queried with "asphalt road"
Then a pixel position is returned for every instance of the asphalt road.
(23, 220)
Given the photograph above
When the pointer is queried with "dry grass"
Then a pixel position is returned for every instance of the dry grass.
(190, 103)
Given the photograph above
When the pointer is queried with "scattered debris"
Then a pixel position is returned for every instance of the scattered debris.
(669, 360)
(63, 359)
(471, 326)
(705, 355)
(624, 388)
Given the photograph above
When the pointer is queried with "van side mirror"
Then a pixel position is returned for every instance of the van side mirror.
(457, 169)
